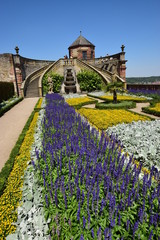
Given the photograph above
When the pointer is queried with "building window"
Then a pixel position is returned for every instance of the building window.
(84, 55)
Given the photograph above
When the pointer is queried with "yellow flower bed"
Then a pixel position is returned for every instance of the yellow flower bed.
(156, 108)
(77, 101)
(12, 195)
(124, 98)
(40, 103)
(103, 119)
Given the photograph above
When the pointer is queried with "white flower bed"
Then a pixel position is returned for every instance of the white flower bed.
(102, 93)
(31, 224)
(142, 139)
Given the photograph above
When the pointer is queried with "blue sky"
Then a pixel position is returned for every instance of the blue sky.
(45, 29)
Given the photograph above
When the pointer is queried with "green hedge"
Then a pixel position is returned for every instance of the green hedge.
(118, 105)
(9, 106)
(151, 111)
(89, 81)
(6, 90)
(83, 104)
(4, 174)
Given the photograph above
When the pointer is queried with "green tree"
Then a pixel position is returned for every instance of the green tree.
(115, 87)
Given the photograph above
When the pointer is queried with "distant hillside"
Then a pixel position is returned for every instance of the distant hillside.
(143, 80)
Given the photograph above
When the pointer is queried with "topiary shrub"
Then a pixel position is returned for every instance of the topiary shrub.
(57, 80)
(89, 81)
(6, 90)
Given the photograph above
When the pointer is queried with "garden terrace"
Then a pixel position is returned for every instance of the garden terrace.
(90, 189)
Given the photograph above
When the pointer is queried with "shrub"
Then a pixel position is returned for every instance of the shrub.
(6, 90)
(118, 105)
(57, 80)
(9, 106)
(89, 81)
(154, 108)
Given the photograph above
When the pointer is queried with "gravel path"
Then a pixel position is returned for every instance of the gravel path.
(139, 107)
(11, 126)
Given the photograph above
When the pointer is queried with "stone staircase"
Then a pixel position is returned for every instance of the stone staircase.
(32, 89)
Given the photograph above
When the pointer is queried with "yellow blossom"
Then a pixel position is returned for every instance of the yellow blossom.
(103, 119)
(12, 195)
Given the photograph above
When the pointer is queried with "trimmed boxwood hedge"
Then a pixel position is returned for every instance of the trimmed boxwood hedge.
(118, 105)
(151, 111)
(9, 106)
(85, 103)
(4, 174)
(6, 90)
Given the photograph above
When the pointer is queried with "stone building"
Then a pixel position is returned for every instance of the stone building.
(27, 74)
(82, 49)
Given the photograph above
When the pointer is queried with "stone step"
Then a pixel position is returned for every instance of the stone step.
(32, 89)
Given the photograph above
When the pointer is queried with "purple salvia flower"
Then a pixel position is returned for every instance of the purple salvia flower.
(55, 198)
(140, 215)
(47, 169)
(65, 199)
(78, 193)
(44, 178)
(53, 230)
(82, 238)
(78, 212)
(105, 233)
(58, 232)
(135, 227)
(150, 235)
(84, 222)
(99, 233)
(33, 163)
(46, 198)
(119, 220)
(127, 224)
(92, 233)
(83, 196)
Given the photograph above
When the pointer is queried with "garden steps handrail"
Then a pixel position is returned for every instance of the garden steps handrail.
(106, 79)
(31, 77)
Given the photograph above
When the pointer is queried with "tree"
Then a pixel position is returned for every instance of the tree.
(115, 87)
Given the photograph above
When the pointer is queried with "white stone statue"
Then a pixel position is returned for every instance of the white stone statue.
(50, 83)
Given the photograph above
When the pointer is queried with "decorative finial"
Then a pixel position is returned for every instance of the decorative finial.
(17, 50)
(122, 47)
(80, 33)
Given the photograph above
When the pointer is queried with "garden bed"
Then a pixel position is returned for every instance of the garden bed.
(125, 97)
(153, 109)
(103, 119)
(118, 105)
(81, 101)
(140, 139)
(89, 189)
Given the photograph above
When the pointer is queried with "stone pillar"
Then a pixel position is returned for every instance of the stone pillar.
(122, 67)
(18, 73)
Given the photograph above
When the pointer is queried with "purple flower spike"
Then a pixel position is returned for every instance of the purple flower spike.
(46, 198)
(82, 238)
(78, 212)
(92, 233)
(84, 222)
